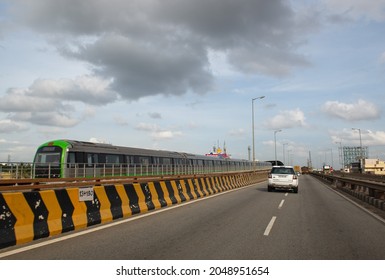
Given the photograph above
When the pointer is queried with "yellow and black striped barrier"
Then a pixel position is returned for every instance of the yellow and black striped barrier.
(27, 216)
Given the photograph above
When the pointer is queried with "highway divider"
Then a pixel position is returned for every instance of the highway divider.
(367, 190)
(30, 215)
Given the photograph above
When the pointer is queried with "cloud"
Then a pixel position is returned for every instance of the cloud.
(349, 137)
(361, 110)
(86, 89)
(155, 115)
(165, 134)
(47, 101)
(267, 61)
(163, 47)
(8, 126)
(97, 140)
(372, 138)
(139, 69)
(287, 119)
(19, 100)
(382, 58)
(356, 9)
(58, 119)
(146, 127)
(158, 133)
(120, 120)
(239, 132)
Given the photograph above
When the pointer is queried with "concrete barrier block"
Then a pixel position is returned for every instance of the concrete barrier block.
(26, 216)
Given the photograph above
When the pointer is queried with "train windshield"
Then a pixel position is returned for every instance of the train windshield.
(48, 155)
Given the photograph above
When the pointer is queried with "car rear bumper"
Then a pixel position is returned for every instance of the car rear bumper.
(277, 186)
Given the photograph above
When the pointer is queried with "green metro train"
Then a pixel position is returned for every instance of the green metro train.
(71, 158)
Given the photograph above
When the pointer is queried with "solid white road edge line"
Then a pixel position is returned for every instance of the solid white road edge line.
(356, 204)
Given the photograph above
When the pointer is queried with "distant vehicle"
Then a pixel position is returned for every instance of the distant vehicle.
(326, 169)
(283, 177)
(297, 169)
(71, 158)
(304, 170)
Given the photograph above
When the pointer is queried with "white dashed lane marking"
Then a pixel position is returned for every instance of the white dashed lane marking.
(270, 226)
(281, 204)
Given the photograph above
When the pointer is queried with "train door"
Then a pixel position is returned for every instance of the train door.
(71, 165)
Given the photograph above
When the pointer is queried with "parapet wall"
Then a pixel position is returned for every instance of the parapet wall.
(27, 216)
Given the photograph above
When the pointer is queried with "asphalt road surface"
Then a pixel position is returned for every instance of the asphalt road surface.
(247, 223)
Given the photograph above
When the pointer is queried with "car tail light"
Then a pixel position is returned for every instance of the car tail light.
(295, 177)
(270, 175)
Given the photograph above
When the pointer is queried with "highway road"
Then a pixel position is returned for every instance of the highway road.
(247, 223)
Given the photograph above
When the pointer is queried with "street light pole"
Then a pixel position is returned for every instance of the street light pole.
(275, 144)
(252, 121)
(283, 151)
(288, 157)
(331, 154)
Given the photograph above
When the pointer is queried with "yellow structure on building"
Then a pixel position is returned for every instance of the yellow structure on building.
(374, 166)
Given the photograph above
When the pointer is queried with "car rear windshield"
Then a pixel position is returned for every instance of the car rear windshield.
(282, 170)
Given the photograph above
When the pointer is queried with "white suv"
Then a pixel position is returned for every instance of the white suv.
(283, 177)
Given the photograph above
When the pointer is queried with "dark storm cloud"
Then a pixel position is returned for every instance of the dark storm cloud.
(141, 68)
(149, 47)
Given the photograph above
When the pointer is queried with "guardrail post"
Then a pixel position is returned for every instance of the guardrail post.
(371, 192)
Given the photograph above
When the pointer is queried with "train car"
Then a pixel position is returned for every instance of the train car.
(71, 158)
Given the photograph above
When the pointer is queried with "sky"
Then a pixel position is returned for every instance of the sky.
(181, 75)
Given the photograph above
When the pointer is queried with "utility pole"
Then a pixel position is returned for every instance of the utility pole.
(275, 144)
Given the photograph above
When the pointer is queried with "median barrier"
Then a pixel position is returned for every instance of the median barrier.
(369, 190)
(27, 216)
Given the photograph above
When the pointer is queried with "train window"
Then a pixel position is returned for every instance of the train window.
(113, 159)
(102, 158)
(144, 160)
(166, 160)
(79, 156)
(92, 159)
(71, 158)
(182, 161)
(49, 155)
(130, 160)
(48, 158)
(209, 163)
(156, 160)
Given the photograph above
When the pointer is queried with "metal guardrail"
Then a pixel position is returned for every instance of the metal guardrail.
(18, 170)
(46, 183)
(360, 176)
(368, 190)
